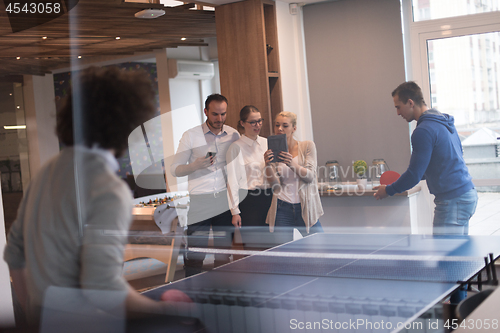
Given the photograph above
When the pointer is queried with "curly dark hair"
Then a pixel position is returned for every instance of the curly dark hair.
(409, 90)
(104, 106)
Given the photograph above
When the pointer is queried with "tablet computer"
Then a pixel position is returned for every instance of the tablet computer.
(277, 143)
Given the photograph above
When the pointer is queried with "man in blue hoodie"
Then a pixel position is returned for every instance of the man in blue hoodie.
(437, 157)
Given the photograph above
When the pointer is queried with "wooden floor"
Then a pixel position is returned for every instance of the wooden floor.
(486, 220)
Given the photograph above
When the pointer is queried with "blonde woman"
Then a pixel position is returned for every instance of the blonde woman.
(248, 191)
(296, 202)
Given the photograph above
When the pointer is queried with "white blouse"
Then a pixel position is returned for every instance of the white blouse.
(289, 183)
(245, 168)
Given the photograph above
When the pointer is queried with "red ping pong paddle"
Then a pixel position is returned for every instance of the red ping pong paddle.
(389, 177)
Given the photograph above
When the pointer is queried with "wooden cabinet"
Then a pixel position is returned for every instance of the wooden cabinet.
(247, 43)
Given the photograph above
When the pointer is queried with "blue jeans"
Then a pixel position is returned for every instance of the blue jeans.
(289, 216)
(451, 217)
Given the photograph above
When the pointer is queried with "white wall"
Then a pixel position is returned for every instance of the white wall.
(185, 92)
(354, 50)
(347, 108)
(355, 59)
(187, 98)
(293, 70)
(364, 214)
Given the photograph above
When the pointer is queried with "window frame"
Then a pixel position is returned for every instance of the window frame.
(419, 33)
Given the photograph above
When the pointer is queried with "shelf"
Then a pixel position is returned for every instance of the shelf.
(272, 74)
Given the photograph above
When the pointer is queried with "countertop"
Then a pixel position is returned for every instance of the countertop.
(352, 190)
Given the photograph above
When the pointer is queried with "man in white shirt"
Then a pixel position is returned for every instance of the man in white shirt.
(202, 157)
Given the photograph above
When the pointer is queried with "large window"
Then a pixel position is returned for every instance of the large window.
(464, 80)
(435, 9)
(454, 51)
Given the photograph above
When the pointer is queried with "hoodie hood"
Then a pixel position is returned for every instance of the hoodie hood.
(442, 118)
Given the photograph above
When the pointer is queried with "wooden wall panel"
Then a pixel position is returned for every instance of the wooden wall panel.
(241, 40)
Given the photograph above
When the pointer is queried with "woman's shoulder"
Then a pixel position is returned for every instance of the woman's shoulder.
(307, 144)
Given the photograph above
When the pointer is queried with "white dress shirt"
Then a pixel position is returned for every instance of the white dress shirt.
(195, 143)
(245, 168)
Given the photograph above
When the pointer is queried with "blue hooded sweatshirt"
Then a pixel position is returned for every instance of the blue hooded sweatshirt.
(437, 157)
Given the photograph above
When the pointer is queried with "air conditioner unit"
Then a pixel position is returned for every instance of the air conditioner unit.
(190, 69)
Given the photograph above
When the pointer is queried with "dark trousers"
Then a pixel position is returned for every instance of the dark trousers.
(217, 216)
(253, 211)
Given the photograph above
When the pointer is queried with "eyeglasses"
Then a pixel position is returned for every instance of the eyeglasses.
(254, 123)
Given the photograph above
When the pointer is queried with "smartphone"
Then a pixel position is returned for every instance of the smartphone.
(210, 153)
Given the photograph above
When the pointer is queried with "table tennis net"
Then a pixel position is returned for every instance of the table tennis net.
(386, 267)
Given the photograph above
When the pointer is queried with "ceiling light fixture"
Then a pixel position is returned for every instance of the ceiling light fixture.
(149, 13)
(18, 58)
(15, 127)
(183, 38)
(117, 37)
(79, 57)
(44, 37)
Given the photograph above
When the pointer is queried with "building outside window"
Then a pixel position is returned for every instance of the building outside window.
(455, 58)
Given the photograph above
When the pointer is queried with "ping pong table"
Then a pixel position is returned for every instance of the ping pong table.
(336, 283)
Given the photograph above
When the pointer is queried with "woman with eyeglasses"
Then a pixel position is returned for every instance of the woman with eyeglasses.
(249, 193)
(296, 202)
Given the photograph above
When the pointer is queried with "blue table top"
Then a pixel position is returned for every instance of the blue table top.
(341, 272)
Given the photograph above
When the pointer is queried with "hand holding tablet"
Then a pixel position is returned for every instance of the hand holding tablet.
(277, 143)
